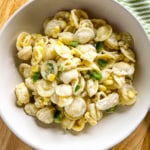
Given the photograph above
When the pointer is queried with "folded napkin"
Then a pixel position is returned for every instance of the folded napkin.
(140, 9)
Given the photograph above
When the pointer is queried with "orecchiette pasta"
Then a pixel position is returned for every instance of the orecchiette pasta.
(22, 94)
(77, 71)
(25, 53)
(25, 70)
(45, 115)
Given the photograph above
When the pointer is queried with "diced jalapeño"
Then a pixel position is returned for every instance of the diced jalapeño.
(95, 75)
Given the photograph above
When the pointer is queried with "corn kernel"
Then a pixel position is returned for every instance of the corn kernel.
(108, 82)
(51, 77)
(46, 101)
(41, 43)
(35, 68)
(73, 52)
(102, 88)
(41, 49)
(59, 43)
(131, 94)
(38, 35)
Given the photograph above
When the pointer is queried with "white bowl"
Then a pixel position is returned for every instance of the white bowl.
(111, 129)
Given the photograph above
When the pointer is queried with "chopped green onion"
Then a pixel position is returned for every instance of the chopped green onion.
(95, 75)
(49, 68)
(111, 110)
(36, 76)
(57, 116)
(98, 46)
(77, 88)
(102, 63)
(74, 43)
(60, 68)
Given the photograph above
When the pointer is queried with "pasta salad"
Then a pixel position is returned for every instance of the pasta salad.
(75, 72)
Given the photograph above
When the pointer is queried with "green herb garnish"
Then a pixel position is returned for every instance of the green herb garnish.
(102, 63)
(111, 110)
(98, 46)
(77, 88)
(49, 68)
(57, 116)
(36, 76)
(95, 75)
(74, 43)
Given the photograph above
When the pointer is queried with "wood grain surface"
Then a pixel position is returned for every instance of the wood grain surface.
(138, 140)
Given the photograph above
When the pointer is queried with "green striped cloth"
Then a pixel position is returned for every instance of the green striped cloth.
(141, 9)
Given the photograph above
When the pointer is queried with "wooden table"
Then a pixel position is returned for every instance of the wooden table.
(138, 140)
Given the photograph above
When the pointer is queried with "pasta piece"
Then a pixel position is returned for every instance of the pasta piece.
(41, 102)
(112, 42)
(92, 87)
(120, 81)
(23, 39)
(127, 38)
(70, 28)
(84, 35)
(67, 123)
(37, 55)
(76, 16)
(93, 115)
(128, 53)
(46, 21)
(98, 23)
(49, 70)
(25, 53)
(61, 101)
(110, 101)
(63, 90)
(128, 94)
(78, 85)
(53, 27)
(88, 52)
(68, 64)
(30, 109)
(62, 50)
(66, 37)
(49, 52)
(76, 109)
(105, 74)
(90, 66)
(86, 23)
(122, 68)
(40, 40)
(62, 15)
(25, 70)
(31, 85)
(105, 60)
(103, 33)
(68, 76)
(45, 115)
(45, 88)
(22, 94)
(79, 125)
